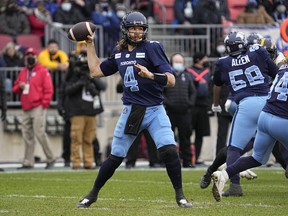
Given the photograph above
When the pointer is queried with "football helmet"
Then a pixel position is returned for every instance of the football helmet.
(133, 19)
(235, 43)
(270, 46)
(253, 38)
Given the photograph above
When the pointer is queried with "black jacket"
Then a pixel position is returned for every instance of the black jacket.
(80, 92)
(182, 96)
(2, 94)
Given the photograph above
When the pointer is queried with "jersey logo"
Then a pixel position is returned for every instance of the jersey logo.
(117, 55)
(127, 55)
(140, 55)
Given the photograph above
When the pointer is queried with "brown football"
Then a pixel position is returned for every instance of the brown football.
(80, 31)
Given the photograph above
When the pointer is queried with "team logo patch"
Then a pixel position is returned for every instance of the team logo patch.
(127, 55)
(140, 55)
(117, 55)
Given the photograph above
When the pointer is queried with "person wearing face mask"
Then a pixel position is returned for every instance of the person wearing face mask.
(12, 21)
(68, 14)
(178, 102)
(35, 88)
(201, 75)
(280, 12)
(38, 19)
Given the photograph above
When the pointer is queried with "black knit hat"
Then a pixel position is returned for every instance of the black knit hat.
(198, 56)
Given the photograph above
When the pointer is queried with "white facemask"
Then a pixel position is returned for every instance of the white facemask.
(281, 8)
(66, 6)
(188, 11)
(178, 67)
(121, 13)
(221, 49)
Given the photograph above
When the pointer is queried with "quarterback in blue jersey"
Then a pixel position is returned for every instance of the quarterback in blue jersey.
(273, 116)
(246, 72)
(145, 71)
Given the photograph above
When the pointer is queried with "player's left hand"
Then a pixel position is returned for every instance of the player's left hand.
(144, 72)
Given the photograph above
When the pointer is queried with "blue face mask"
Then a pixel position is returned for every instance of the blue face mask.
(178, 67)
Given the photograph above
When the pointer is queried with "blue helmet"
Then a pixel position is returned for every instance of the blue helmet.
(235, 43)
(253, 38)
(133, 19)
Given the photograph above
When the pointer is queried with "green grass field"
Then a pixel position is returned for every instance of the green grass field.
(136, 192)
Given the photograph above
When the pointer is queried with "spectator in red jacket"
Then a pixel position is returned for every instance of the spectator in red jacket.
(38, 20)
(34, 85)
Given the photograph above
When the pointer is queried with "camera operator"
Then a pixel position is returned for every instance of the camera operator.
(82, 104)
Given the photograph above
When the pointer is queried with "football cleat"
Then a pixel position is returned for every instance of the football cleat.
(184, 203)
(205, 181)
(248, 174)
(234, 190)
(86, 202)
(219, 181)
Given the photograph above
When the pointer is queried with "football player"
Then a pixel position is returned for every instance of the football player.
(273, 116)
(246, 72)
(145, 71)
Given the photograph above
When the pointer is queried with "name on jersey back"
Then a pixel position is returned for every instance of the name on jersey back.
(240, 61)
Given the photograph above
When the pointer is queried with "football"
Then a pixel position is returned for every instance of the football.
(80, 31)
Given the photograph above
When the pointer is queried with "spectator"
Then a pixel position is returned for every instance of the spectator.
(83, 103)
(178, 102)
(254, 14)
(183, 11)
(68, 14)
(12, 21)
(105, 16)
(10, 57)
(208, 12)
(86, 7)
(53, 58)
(280, 12)
(200, 118)
(34, 85)
(38, 19)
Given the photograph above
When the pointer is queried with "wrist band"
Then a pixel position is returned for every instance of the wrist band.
(161, 78)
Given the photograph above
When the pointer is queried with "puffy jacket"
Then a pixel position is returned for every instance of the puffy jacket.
(41, 87)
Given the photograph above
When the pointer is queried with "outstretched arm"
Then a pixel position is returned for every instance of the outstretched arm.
(93, 59)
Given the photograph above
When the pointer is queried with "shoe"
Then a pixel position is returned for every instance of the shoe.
(86, 201)
(25, 167)
(184, 203)
(67, 164)
(205, 181)
(286, 172)
(89, 167)
(234, 190)
(218, 184)
(188, 165)
(50, 165)
(248, 174)
(1, 170)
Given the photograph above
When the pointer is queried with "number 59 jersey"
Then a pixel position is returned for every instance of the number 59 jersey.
(138, 90)
(246, 74)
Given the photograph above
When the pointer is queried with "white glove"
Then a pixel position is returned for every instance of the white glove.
(228, 104)
(216, 108)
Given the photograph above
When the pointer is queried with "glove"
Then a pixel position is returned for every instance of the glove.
(216, 108)
(228, 104)
(3, 115)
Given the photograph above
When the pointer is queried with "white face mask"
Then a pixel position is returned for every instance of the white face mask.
(188, 11)
(281, 8)
(121, 14)
(178, 67)
(66, 6)
(221, 49)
